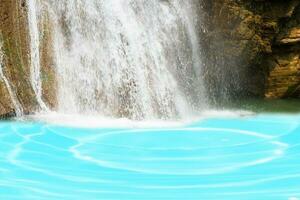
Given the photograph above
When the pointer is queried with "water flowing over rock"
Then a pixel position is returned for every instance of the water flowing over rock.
(13, 102)
(145, 59)
(13, 34)
(35, 64)
(137, 59)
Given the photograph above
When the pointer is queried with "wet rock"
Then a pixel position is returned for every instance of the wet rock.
(255, 48)
(14, 33)
(16, 66)
(8, 115)
(48, 75)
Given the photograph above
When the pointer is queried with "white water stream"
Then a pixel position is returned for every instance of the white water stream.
(35, 66)
(122, 58)
(17, 106)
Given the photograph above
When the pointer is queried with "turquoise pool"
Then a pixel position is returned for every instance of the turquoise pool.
(250, 158)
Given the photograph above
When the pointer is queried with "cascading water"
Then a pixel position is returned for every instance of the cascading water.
(17, 106)
(125, 58)
(35, 76)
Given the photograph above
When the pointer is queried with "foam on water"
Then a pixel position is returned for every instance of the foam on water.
(99, 121)
(248, 158)
(137, 59)
(94, 121)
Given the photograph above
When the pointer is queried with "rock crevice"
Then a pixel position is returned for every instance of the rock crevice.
(255, 48)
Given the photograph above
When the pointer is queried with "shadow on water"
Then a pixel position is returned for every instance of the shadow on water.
(289, 106)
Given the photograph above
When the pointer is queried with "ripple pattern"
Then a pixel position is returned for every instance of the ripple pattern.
(236, 159)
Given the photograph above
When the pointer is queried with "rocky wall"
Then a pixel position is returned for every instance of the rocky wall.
(253, 48)
(14, 34)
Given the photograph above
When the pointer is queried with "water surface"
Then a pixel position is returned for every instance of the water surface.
(249, 158)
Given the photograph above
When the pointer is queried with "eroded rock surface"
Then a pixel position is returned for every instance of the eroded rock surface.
(252, 49)
(255, 48)
(14, 35)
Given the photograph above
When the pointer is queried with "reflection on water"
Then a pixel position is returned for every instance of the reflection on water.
(255, 157)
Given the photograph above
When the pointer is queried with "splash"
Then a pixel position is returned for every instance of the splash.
(137, 59)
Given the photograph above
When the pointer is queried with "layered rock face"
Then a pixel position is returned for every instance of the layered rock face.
(255, 48)
(16, 91)
(15, 62)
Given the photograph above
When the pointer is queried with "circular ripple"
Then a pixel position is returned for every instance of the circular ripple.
(180, 151)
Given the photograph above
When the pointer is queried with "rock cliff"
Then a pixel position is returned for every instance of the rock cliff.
(252, 49)
(15, 62)
(15, 86)
(255, 48)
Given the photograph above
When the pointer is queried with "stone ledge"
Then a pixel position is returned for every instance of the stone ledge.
(291, 37)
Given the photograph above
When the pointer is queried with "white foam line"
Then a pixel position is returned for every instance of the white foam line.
(142, 131)
(276, 152)
(204, 158)
(41, 143)
(115, 165)
(98, 121)
(280, 144)
(49, 145)
(255, 134)
(76, 179)
(179, 148)
(12, 156)
(70, 136)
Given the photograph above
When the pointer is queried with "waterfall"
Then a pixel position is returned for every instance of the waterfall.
(17, 106)
(35, 66)
(124, 58)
